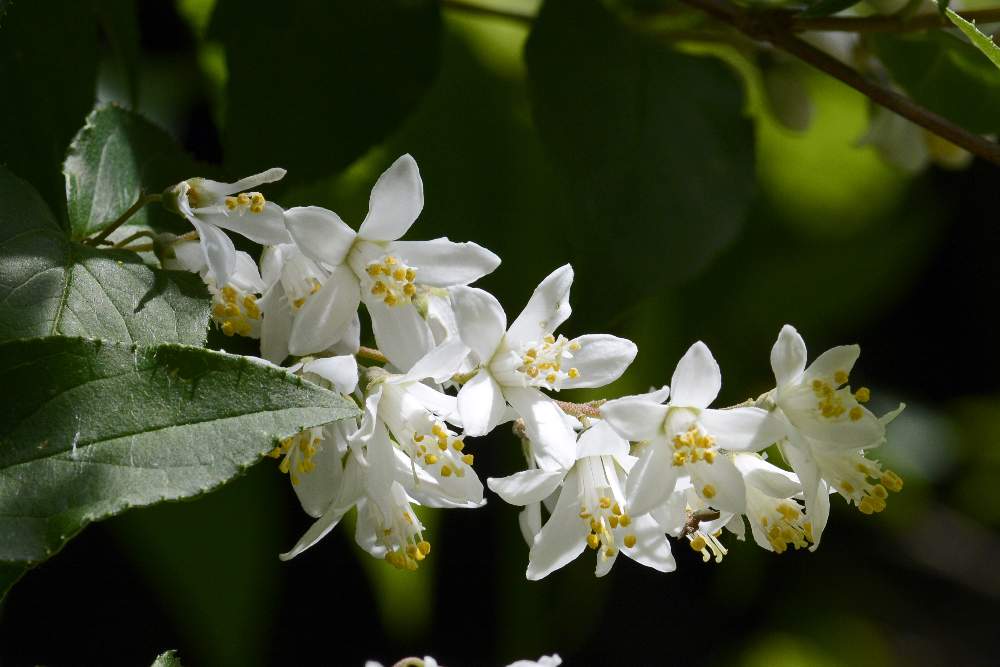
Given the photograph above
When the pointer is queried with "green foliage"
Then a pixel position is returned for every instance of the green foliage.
(645, 137)
(48, 51)
(945, 74)
(167, 659)
(184, 420)
(116, 157)
(982, 42)
(312, 86)
(50, 285)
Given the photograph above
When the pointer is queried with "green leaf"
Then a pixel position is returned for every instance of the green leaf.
(90, 428)
(312, 86)
(827, 7)
(654, 145)
(945, 74)
(114, 158)
(50, 286)
(48, 66)
(982, 42)
(168, 659)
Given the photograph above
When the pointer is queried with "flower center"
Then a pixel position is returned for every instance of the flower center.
(438, 450)
(832, 399)
(301, 278)
(707, 545)
(859, 479)
(243, 202)
(235, 311)
(692, 446)
(392, 280)
(296, 453)
(783, 521)
(545, 363)
(401, 533)
(601, 508)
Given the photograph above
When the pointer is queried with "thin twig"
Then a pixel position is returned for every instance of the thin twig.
(774, 28)
(132, 237)
(132, 210)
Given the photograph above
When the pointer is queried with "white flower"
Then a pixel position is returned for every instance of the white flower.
(211, 206)
(827, 428)
(685, 436)
(373, 266)
(415, 415)
(777, 521)
(291, 278)
(516, 362)
(545, 661)
(234, 303)
(591, 509)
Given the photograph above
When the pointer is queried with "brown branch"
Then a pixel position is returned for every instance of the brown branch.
(776, 29)
(890, 23)
(123, 218)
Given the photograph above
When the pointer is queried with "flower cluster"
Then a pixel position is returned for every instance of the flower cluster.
(616, 477)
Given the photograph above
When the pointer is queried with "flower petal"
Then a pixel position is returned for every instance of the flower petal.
(601, 359)
(652, 479)
(562, 538)
(481, 404)
(320, 234)
(788, 356)
(441, 362)
(220, 253)
(188, 256)
(651, 547)
(600, 440)
(396, 201)
(767, 477)
(727, 490)
(553, 441)
(527, 486)
(322, 319)
(826, 365)
(697, 378)
(742, 429)
(265, 228)
(443, 263)
(814, 488)
(530, 521)
(480, 319)
(634, 418)
(276, 325)
(341, 371)
(317, 531)
(401, 334)
(250, 182)
(321, 486)
(547, 308)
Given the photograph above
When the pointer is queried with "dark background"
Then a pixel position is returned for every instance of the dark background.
(836, 242)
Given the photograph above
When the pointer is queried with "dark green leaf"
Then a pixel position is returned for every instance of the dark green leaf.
(654, 145)
(49, 285)
(945, 74)
(827, 7)
(48, 66)
(312, 86)
(982, 42)
(115, 157)
(90, 428)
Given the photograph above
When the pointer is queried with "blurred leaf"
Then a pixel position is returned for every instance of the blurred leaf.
(312, 86)
(48, 65)
(49, 285)
(168, 659)
(827, 7)
(117, 156)
(185, 421)
(654, 144)
(945, 74)
(120, 24)
(982, 42)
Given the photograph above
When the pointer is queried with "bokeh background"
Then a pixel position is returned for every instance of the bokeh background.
(687, 212)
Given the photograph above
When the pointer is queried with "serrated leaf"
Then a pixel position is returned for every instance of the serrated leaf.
(90, 428)
(653, 143)
(945, 74)
(312, 86)
(827, 7)
(114, 158)
(48, 66)
(982, 42)
(51, 286)
(167, 659)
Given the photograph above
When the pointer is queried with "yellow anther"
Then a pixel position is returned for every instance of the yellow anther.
(228, 328)
(409, 289)
(679, 459)
(424, 546)
(609, 552)
(604, 502)
(847, 487)
(710, 456)
(458, 445)
(573, 373)
(229, 294)
(856, 413)
(298, 303)
(551, 378)
(418, 437)
(595, 526)
(550, 339)
(879, 492)
(862, 395)
(698, 543)
(818, 385)
(430, 459)
(892, 481)
(574, 346)
(531, 353)
(399, 274)
(866, 506)
(411, 274)
(708, 491)
(390, 260)
(243, 199)
(378, 287)
(446, 471)
(390, 300)
(840, 377)
(374, 270)
(584, 514)
(231, 203)
(315, 286)
(468, 459)
(625, 520)
(593, 541)
(275, 453)
(418, 556)
(439, 431)
(532, 372)
(218, 310)
(613, 521)
(616, 509)
(443, 444)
